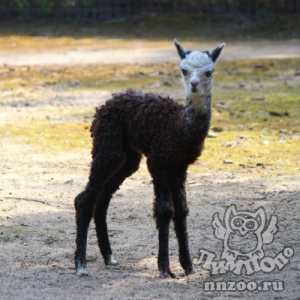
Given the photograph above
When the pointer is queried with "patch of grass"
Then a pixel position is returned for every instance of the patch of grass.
(17, 80)
(249, 152)
(54, 136)
(67, 114)
(259, 95)
(17, 230)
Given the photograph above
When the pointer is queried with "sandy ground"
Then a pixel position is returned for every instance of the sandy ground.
(37, 228)
(139, 52)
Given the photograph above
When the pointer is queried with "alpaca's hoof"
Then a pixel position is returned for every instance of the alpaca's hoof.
(190, 271)
(82, 273)
(81, 270)
(167, 274)
(110, 261)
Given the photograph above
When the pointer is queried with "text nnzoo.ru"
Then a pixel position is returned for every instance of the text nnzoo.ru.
(243, 286)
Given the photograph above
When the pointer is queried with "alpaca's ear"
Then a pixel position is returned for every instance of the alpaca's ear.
(180, 49)
(216, 52)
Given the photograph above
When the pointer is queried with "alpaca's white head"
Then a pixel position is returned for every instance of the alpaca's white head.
(197, 71)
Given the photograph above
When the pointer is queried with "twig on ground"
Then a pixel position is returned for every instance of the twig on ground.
(28, 199)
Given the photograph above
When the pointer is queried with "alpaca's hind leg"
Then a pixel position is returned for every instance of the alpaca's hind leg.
(130, 166)
(179, 218)
(84, 205)
(101, 171)
(163, 211)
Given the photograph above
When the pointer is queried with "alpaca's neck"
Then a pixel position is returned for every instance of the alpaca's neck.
(201, 102)
(197, 117)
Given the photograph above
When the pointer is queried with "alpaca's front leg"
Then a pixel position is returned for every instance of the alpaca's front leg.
(163, 212)
(180, 224)
(163, 221)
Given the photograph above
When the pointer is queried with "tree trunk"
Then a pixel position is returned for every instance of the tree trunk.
(175, 5)
(249, 6)
(56, 9)
(105, 10)
(296, 8)
(225, 6)
(79, 8)
(286, 6)
(151, 5)
(32, 8)
(8, 9)
(274, 4)
(199, 5)
(128, 8)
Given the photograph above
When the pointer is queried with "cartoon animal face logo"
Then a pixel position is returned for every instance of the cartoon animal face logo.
(244, 233)
(243, 224)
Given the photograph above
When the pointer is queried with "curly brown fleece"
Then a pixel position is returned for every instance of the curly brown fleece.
(171, 136)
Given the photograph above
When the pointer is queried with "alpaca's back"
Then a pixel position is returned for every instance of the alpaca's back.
(145, 121)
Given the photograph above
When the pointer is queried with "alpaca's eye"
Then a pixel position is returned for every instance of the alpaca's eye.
(208, 74)
(184, 72)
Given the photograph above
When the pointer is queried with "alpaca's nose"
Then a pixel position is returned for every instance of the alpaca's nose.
(194, 82)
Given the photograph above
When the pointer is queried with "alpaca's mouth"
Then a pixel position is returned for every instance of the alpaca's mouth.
(194, 90)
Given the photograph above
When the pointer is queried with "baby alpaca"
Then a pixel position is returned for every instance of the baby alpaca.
(170, 135)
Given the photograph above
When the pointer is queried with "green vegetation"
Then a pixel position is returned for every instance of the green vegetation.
(53, 136)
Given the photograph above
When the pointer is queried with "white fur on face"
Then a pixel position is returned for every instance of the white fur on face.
(197, 64)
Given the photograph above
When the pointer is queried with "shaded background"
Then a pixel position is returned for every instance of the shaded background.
(99, 10)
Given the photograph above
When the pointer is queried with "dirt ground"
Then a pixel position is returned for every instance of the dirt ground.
(37, 228)
(139, 51)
